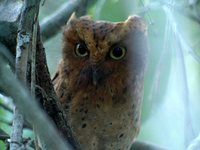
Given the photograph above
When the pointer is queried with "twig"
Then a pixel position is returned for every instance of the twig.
(17, 130)
(28, 106)
(53, 23)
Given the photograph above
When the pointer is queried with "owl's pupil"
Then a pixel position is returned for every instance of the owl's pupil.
(81, 50)
(117, 52)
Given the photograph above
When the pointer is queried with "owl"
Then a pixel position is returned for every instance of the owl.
(99, 81)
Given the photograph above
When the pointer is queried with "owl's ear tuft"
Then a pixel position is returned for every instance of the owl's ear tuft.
(133, 18)
(136, 23)
(72, 19)
(86, 18)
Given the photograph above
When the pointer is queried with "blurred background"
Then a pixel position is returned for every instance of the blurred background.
(171, 105)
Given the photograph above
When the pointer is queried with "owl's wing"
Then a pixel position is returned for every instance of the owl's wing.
(55, 77)
(57, 81)
(63, 96)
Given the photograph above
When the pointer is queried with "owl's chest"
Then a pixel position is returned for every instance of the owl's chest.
(102, 119)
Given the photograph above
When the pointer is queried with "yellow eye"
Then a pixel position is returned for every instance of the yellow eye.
(81, 50)
(117, 52)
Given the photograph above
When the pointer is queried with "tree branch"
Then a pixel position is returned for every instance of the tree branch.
(17, 130)
(9, 19)
(28, 107)
(53, 23)
(46, 95)
(29, 14)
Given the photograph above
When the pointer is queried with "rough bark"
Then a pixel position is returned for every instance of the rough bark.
(29, 14)
(28, 107)
(46, 94)
(9, 18)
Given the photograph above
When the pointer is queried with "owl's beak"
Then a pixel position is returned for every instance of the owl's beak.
(97, 74)
(95, 78)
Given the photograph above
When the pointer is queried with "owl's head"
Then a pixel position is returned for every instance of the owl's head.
(100, 51)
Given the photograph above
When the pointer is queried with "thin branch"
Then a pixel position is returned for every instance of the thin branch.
(17, 130)
(53, 23)
(28, 106)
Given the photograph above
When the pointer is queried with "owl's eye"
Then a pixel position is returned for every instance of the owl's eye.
(117, 52)
(81, 50)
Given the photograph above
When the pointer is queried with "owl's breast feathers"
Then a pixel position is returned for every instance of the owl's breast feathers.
(101, 115)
